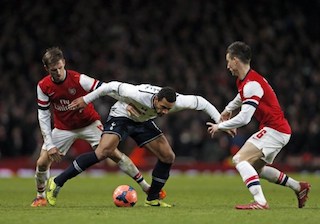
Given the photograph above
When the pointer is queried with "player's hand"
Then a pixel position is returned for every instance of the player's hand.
(212, 129)
(133, 111)
(225, 115)
(232, 132)
(77, 104)
(54, 154)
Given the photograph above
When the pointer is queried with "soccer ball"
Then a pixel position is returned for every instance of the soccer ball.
(125, 196)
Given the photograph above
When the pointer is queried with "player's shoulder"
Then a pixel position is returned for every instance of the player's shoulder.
(255, 76)
(45, 80)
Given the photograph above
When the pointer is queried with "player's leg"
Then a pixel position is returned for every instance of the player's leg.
(160, 174)
(128, 167)
(93, 133)
(247, 155)
(41, 176)
(276, 141)
(108, 144)
(301, 189)
(147, 134)
(63, 140)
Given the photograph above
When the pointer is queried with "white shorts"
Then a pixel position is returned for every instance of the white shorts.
(63, 139)
(270, 142)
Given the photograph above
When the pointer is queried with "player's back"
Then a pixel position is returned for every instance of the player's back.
(141, 96)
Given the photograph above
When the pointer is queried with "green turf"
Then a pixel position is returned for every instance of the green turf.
(198, 199)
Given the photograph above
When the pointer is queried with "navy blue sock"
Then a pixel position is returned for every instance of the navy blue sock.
(160, 175)
(78, 165)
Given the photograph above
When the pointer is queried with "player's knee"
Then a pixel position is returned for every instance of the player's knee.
(171, 157)
(168, 157)
(236, 159)
(101, 154)
(104, 152)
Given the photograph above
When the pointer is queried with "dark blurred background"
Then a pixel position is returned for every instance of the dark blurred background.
(178, 43)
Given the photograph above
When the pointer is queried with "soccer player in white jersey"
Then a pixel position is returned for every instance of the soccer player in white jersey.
(257, 98)
(58, 89)
(148, 102)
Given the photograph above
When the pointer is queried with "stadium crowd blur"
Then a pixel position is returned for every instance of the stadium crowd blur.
(178, 43)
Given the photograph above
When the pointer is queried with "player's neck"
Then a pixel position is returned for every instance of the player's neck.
(243, 71)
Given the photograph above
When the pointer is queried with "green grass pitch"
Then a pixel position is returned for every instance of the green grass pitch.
(203, 198)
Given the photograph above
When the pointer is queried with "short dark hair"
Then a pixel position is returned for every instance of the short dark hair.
(52, 56)
(168, 93)
(240, 50)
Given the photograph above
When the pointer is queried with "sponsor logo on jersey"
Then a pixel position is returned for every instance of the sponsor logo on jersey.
(63, 106)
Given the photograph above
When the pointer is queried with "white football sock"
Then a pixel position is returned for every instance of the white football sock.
(275, 176)
(251, 178)
(41, 181)
(127, 166)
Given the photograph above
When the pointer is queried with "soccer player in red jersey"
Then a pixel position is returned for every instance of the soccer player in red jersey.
(57, 90)
(257, 98)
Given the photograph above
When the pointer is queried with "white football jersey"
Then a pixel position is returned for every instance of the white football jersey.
(141, 96)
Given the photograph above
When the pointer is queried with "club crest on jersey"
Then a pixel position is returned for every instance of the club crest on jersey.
(72, 91)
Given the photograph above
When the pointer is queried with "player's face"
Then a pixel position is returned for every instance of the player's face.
(162, 107)
(57, 71)
(232, 64)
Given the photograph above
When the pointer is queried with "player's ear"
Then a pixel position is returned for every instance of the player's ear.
(236, 60)
(155, 100)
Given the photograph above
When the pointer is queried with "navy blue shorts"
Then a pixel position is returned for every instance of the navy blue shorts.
(141, 132)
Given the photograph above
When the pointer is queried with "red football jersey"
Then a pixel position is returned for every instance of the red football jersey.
(268, 111)
(62, 94)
